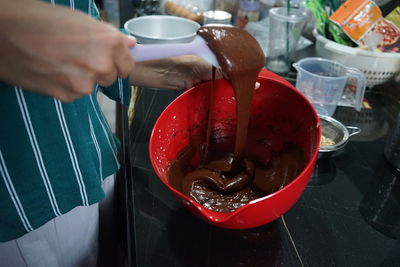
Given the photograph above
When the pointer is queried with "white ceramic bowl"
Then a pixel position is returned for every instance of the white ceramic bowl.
(161, 29)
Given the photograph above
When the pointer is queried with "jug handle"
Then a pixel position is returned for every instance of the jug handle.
(353, 130)
(361, 84)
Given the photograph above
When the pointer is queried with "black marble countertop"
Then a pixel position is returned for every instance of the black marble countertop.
(349, 214)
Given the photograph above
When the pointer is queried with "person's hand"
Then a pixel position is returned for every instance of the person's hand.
(57, 51)
(178, 73)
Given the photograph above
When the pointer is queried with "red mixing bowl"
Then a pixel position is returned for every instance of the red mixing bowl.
(277, 107)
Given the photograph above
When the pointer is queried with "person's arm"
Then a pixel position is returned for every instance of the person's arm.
(178, 73)
(59, 52)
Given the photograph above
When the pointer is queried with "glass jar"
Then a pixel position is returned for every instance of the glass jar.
(249, 10)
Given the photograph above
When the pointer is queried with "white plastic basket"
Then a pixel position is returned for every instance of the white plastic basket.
(377, 67)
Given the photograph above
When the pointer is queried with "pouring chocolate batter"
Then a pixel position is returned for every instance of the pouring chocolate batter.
(226, 181)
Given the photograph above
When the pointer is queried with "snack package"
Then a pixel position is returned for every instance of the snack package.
(362, 21)
(324, 26)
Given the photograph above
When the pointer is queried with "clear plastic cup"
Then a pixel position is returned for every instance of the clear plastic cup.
(322, 81)
(285, 28)
(217, 17)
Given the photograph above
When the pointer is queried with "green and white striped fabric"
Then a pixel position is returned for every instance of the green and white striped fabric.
(53, 155)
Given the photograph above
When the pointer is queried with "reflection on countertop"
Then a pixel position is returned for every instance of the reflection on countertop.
(380, 206)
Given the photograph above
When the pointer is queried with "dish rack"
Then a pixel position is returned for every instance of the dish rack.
(378, 67)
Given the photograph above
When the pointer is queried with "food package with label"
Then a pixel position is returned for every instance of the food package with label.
(363, 22)
(324, 26)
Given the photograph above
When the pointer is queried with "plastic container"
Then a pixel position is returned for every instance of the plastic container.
(322, 81)
(285, 28)
(249, 10)
(217, 17)
(377, 67)
(276, 105)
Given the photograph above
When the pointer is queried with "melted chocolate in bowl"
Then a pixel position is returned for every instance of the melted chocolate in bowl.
(224, 181)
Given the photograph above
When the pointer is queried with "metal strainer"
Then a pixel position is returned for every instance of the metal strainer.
(335, 132)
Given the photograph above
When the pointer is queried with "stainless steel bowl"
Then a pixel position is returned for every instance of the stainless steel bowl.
(161, 29)
(337, 133)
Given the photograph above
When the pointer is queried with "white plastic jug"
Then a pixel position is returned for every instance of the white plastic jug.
(322, 81)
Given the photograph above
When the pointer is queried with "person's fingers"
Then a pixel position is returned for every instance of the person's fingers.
(104, 68)
(66, 86)
(65, 97)
(60, 93)
(124, 62)
(76, 81)
(85, 85)
(108, 78)
(130, 41)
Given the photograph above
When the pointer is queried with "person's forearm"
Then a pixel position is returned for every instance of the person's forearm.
(172, 73)
(153, 73)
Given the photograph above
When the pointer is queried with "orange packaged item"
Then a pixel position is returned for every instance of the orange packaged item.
(362, 21)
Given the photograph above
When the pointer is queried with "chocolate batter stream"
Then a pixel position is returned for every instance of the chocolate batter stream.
(224, 181)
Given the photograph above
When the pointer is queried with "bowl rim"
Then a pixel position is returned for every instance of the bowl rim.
(160, 17)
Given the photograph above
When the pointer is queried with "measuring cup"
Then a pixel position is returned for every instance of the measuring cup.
(322, 81)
